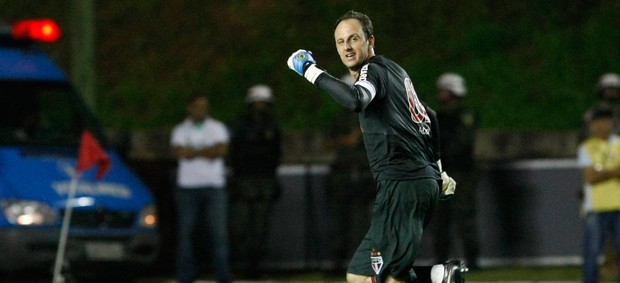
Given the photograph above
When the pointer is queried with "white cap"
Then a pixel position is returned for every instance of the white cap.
(452, 82)
(259, 93)
(609, 80)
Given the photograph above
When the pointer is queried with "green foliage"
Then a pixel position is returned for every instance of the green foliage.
(529, 65)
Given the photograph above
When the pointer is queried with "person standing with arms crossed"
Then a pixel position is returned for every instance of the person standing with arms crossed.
(402, 143)
(351, 189)
(457, 153)
(200, 144)
(608, 95)
(599, 158)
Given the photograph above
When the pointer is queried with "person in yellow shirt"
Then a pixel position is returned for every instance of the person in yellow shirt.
(599, 158)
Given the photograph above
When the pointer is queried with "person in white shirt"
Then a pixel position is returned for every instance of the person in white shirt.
(200, 143)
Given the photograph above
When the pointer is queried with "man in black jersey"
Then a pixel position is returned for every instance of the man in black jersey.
(402, 143)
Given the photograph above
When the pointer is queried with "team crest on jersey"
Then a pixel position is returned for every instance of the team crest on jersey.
(376, 260)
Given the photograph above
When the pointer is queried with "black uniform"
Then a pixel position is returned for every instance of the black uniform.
(402, 143)
(457, 156)
(255, 152)
(351, 189)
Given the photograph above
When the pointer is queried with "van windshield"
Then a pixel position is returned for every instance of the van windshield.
(40, 114)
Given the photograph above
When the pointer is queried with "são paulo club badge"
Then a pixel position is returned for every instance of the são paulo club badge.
(376, 261)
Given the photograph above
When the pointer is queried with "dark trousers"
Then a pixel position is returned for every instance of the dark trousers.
(455, 219)
(193, 206)
(252, 200)
(597, 227)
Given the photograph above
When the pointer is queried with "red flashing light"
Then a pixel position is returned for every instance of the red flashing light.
(45, 30)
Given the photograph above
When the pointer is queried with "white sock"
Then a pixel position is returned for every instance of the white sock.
(437, 273)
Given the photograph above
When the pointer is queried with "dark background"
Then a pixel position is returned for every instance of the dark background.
(529, 64)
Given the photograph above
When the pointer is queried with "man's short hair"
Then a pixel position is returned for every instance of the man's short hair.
(364, 20)
(196, 96)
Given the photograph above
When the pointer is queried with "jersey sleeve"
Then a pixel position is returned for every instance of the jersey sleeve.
(583, 158)
(355, 97)
(177, 138)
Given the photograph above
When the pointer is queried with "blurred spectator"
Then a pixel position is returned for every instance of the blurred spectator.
(254, 157)
(608, 95)
(599, 158)
(458, 126)
(200, 144)
(351, 188)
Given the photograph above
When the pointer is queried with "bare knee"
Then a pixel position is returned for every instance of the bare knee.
(355, 278)
(391, 279)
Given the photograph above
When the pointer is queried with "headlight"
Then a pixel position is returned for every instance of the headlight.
(22, 212)
(148, 217)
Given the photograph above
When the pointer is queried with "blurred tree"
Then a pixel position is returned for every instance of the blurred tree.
(518, 56)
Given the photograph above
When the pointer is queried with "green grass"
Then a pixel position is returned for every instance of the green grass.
(500, 274)
(526, 274)
(529, 274)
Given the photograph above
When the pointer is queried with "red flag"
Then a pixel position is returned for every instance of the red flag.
(91, 154)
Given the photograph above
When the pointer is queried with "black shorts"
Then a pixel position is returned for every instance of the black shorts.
(400, 213)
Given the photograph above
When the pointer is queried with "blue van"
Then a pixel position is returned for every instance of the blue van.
(114, 221)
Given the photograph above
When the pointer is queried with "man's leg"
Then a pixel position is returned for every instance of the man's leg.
(615, 227)
(441, 229)
(591, 247)
(338, 203)
(354, 278)
(465, 212)
(452, 271)
(216, 215)
(187, 204)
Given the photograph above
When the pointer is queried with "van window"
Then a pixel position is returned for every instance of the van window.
(40, 114)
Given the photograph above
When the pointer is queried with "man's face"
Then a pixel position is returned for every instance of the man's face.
(602, 127)
(198, 109)
(444, 96)
(611, 94)
(352, 45)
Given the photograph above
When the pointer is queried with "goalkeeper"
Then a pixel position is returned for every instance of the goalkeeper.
(401, 139)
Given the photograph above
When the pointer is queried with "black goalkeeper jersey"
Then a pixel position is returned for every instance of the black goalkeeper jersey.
(400, 131)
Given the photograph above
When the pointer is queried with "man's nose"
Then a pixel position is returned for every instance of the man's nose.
(347, 46)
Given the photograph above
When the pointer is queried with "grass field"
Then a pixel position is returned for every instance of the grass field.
(532, 274)
(503, 274)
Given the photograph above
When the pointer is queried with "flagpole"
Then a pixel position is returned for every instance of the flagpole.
(64, 231)
(90, 153)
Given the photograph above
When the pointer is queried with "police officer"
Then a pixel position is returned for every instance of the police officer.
(254, 158)
(350, 189)
(458, 124)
